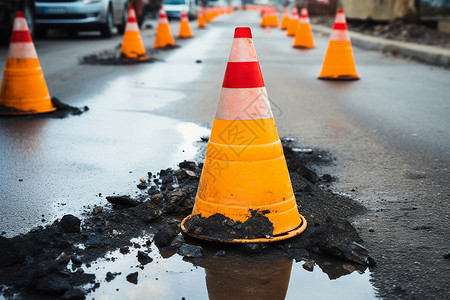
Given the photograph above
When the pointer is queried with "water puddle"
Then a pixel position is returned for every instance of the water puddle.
(224, 276)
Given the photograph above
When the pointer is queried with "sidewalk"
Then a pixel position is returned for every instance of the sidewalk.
(424, 53)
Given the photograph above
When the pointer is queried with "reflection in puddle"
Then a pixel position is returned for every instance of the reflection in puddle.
(229, 276)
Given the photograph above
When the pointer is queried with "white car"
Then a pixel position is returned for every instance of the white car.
(174, 8)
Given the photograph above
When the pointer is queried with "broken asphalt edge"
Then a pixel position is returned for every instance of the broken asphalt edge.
(423, 53)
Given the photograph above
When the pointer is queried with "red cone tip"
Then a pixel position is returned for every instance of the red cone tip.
(340, 11)
(242, 32)
(20, 14)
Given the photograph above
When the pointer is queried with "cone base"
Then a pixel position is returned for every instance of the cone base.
(11, 111)
(339, 78)
(303, 47)
(125, 58)
(279, 237)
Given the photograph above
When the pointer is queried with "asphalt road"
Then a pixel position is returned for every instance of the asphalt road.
(389, 134)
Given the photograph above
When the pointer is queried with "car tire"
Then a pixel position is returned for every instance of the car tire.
(40, 32)
(121, 27)
(108, 26)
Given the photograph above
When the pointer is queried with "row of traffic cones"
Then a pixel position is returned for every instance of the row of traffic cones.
(338, 63)
(24, 90)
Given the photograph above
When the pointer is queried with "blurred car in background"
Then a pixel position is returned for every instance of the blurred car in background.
(174, 8)
(8, 9)
(80, 15)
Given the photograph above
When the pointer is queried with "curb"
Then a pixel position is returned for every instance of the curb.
(424, 53)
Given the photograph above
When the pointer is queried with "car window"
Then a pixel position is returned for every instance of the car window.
(176, 2)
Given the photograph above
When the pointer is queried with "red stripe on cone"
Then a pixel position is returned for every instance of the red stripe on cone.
(18, 36)
(243, 75)
(242, 32)
(340, 26)
(20, 14)
(131, 20)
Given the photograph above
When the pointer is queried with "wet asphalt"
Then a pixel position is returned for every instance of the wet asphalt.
(389, 133)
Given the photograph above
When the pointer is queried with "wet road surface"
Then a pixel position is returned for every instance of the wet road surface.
(389, 133)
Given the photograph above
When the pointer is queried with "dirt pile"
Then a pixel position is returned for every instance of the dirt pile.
(397, 30)
(46, 263)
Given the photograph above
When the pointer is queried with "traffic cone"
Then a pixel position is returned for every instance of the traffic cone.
(201, 21)
(24, 90)
(163, 34)
(304, 36)
(285, 19)
(245, 169)
(132, 45)
(264, 17)
(338, 63)
(293, 23)
(273, 17)
(185, 30)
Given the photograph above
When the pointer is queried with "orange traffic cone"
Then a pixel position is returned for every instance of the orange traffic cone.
(273, 17)
(132, 46)
(163, 34)
(285, 19)
(264, 17)
(303, 36)
(201, 21)
(245, 169)
(338, 63)
(185, 27)
(293, 23)
(24, 90)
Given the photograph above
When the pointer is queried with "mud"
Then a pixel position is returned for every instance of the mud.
(54, 261)
(222, 228)
(399, 30)
(114, 57)
(62, 111)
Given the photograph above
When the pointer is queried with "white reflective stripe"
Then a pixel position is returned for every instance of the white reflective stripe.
(163, 21)
(304, 20)
(244, 104)
(340, 18)
(242, 49)
(132, 13)
(339, 35)
(303, 11)
(132, 26)
(20, 24)
(22, 50)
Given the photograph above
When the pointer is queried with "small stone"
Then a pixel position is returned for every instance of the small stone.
(76, 260)
(142, 180)
(309, 265)
(97, 210)
(133, 277)
(190, 251)
(190, 165)
(143, 258)
(166, 234)
(74, 294)
(93, 241)
(70, 224)
(126, 201)
(124, 250)
(115, 233)
(219, 253)
(447, 255)
(142, 186)
(371, 230)
(110, 276)
(53, 284)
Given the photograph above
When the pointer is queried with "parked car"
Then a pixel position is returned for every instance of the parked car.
(8, 9)
(174, 8)
(77, 15)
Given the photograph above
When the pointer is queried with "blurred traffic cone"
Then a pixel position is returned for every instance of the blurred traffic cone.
(201, 21)
(24, 90)
(185, 30)
(245, 168)
(304, 36)
(293, 23)
(338, 63)
(132, 46)
(163, 34)
(273, 18)
(264, 17)
(285, 19)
